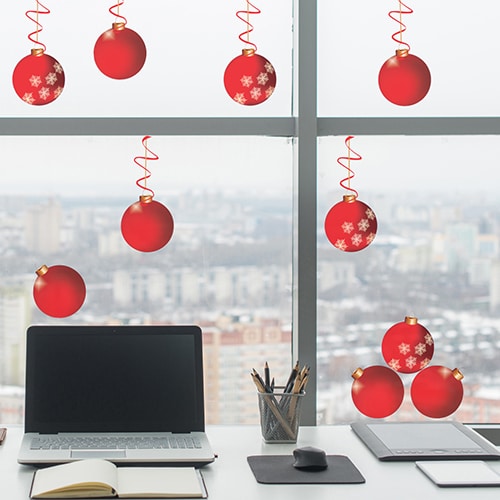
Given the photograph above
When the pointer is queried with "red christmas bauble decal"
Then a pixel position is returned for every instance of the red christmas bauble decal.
(350, 225)
(404, 79)
(437, 391)
(147, 225)
(59, 291)
(38, 78)
(407, 347)
(119, 52)
(377, 391)
(250, 79)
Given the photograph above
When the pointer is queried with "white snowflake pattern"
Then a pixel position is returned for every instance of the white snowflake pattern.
(357, 239)
(420, 349)
(246, 81)
(269, 67)
(44, 93)
(363, 225)
(395, 364)
(255, 93)
(347, 227)
(370, 214)
(57, 91)
(341, 245)
(57, 67)
(404, 349)
(28, 97)
(262, 78)
(424, 362)
(51, 79)
(35, 80)
(269, 91)
(370, 238)
(428, 339)
(240, 98)
(411, 361)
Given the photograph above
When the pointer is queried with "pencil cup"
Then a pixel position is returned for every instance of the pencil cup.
(280, 416)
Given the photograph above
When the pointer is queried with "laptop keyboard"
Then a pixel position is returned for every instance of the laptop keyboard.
(54, 442)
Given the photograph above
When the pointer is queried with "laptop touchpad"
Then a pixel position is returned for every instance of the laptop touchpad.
(98, 454)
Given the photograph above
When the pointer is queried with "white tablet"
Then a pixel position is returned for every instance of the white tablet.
(448, 473)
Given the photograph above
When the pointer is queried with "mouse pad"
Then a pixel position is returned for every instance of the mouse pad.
(279, 469)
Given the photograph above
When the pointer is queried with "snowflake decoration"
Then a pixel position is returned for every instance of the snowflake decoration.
(269, 67)
(420, 349)
(347, 227)
(357, 239)
(363, 225)
(411, 361)
(428, 339)
(394, 364)
(44, 93)
(341, 245)
(51, 78)
(262, 79)
(424, 362)
(370, 214)
(57, 91)
(28, 97)
(35, 80)
(255, 93)
(246, 81)
(404, 349)
(240, 98)
(370, 237)
(57, 67)
(269, 91)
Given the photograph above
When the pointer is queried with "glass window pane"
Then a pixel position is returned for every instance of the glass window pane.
(435, 257)
(226, 268)
(188, 49)
(454, 40)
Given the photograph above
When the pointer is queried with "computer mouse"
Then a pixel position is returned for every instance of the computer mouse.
(310, 459)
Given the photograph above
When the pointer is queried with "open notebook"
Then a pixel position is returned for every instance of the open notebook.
(128, 394)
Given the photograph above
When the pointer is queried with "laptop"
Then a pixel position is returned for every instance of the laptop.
(128, 394)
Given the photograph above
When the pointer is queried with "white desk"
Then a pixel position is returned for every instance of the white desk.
(230, 477)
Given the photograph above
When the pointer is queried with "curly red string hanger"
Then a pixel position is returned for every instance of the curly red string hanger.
(146, 225)
(404, 79)
(38, 78)
(350, 225)
(119, 53)
(249, 78)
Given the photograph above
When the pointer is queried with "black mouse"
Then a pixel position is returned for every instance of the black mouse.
(310, 459)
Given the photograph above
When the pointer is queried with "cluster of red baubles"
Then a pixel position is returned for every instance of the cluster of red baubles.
(119, 53)
(407, 347)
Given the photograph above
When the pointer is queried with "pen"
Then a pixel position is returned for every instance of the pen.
(267, 375)
(3, 434)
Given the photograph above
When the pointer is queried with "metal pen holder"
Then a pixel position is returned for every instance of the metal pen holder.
(280, 416)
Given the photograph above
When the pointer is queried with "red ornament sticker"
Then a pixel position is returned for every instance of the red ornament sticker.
(408, 347)
(377, 391)
(250, 79)
(350, 225)
(437, 391)
(59, 291)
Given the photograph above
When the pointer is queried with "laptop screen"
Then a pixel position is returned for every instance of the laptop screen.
(114, 379)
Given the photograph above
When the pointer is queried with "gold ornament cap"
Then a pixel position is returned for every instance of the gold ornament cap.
(118, 26)
(349, 198)
(42, 270)
(402, 52)
(356, 374)
(248, 52)
(146, 198)
(38, 51)
(457, 374)
(411, 320)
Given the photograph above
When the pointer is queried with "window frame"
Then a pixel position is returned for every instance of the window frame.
(304, 127)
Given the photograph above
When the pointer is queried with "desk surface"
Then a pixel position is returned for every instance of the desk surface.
(230, 477)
